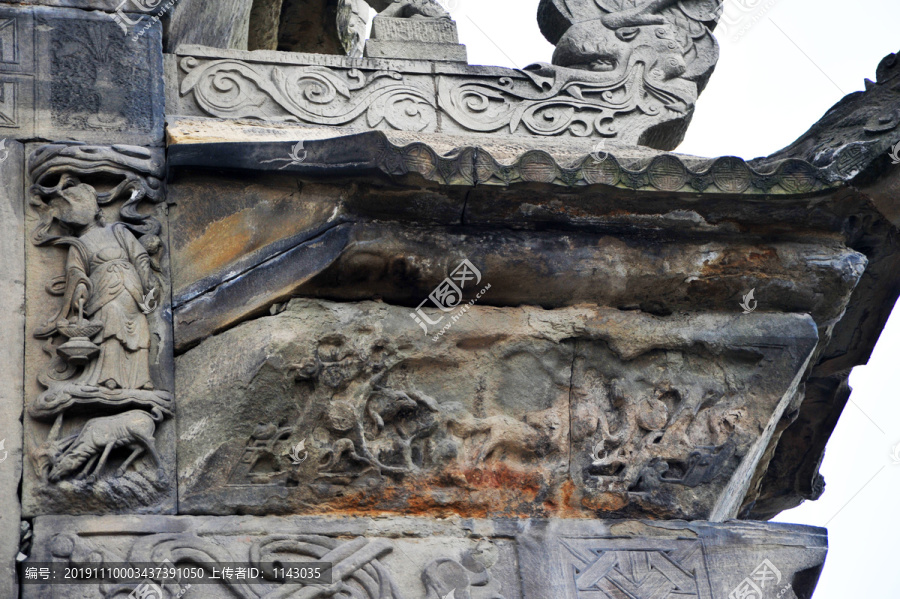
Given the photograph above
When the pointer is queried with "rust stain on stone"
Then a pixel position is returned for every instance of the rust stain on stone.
(605, 502)
(486, 492)
(223, 242)
(742, 262)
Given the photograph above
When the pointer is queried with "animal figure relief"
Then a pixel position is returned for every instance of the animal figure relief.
(494, 436)
(603, 35)
(261, 462)
(100, 436)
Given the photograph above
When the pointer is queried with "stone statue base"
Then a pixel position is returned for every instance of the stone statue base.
(419, 39)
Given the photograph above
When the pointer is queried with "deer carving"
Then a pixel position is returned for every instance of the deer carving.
(100, 436)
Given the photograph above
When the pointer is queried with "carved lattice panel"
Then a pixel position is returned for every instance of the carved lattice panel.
(618, 569)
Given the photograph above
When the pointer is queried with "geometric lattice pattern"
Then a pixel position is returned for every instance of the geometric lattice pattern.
(597, 569)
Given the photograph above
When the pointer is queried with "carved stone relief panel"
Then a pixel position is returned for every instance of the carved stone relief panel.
(16, 73)
(328, 407)
(665, 568)
(630, 106)
(370, 559)
(413, 558)
(96, 82)
(665, 428)
(588, 559)
(99, 402)
(381, 97)
(72, 74)
(331, 407)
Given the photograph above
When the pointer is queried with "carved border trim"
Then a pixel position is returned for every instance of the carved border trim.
(469, 166)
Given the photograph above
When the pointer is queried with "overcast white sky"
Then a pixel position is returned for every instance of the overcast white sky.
(772, 83)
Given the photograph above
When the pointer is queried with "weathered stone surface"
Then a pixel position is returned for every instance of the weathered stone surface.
(16, 73)
(416, 183)
(263, 26)
(460, 161)
(222, 24)
(409, 9)
(432, 31)
(416, 50)
(586, 559)
(853, 142)
(421, 39)
(857, 133)
(98, 354)
(79, 75)
(130, 6)
(514, 411)
(409, 558)
(257, 240)
(95, 83)
(332, 27)
(404, 263)
(320, 26)
(12, 339)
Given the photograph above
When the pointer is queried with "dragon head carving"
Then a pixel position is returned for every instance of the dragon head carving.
(675, 36)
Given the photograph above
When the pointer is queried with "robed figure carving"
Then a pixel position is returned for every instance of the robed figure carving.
(109, 280)
(99, 338)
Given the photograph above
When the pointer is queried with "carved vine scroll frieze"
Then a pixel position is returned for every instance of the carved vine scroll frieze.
(552, 101)
(313, 94)
(623, 70)
(98, 337)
